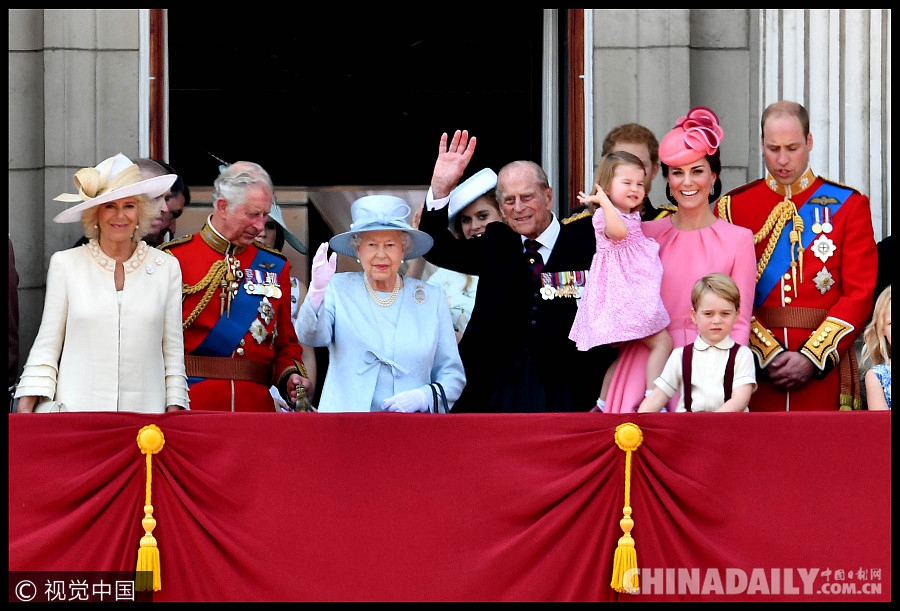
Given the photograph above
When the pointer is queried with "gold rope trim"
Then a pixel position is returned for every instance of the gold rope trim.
(150, 440)
(210, 282)
(625, 577)
(780, 215)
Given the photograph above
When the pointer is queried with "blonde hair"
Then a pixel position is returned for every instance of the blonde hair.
(876, 349)
(722, 285)
(606, 170)
(148, 210)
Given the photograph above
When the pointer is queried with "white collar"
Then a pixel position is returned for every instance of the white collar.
(725, 344)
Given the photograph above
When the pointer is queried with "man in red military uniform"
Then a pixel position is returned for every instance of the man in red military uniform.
(239, 339)
(817, 265)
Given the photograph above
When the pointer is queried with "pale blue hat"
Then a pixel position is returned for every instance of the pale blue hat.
(381, 213)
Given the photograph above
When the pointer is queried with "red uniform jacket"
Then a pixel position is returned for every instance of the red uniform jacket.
(814, 300)
(245, 343)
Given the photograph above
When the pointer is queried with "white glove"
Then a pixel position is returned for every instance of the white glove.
(323, 269)
(407, 401)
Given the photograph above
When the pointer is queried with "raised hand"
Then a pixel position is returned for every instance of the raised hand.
(451, 162)
(323, 269)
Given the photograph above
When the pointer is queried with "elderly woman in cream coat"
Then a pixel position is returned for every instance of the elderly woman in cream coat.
(389, 337)
(110, 337)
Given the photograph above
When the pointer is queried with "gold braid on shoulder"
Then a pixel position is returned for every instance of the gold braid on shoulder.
(210, 282)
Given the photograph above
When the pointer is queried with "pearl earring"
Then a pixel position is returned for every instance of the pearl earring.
(358, 261)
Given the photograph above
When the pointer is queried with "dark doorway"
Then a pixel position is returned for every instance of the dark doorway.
(351, 97)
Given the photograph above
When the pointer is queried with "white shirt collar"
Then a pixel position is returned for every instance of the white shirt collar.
(548, 238)
(725, 344)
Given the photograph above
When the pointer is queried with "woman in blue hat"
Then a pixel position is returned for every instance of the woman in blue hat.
(390, 338)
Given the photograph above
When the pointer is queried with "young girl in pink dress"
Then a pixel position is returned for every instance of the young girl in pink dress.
(621, 300)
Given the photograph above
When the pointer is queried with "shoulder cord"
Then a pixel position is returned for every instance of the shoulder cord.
(210, 282)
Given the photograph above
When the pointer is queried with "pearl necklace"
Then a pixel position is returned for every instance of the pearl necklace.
(383, 302)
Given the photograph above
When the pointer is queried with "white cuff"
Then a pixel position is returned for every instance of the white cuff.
(435, 204)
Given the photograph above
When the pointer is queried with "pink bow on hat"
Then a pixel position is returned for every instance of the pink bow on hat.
(694, 136)
(701, 129)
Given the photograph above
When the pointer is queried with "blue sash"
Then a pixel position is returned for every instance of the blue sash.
(780, 261)
(228, 332)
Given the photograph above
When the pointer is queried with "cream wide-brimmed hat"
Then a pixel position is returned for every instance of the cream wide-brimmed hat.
(381, 213)
(464, 194)
(113, 178)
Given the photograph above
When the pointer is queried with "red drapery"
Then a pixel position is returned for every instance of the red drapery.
(464, 507)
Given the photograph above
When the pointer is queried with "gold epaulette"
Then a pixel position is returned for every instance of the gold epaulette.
(763, 344)
(665, 210)
(182, 240)
(723, 208)
(575, 217)
(822, 344)
(269, 249)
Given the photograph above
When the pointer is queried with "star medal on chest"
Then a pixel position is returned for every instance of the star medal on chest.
(258, 331)
(266, 311)
(823, 247)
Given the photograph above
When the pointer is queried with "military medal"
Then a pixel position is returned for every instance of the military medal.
(817, 226)
(827, 227)
(266, 311)
(823, 248)
(562, 284)
(824, 280)
(258, 331)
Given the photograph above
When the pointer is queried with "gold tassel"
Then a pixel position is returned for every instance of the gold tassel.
(625, 577)
(150, 440)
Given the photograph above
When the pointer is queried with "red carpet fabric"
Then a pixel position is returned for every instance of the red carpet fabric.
(463, 507)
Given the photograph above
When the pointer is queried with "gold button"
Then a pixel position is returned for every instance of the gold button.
(242, 342)
(787, 288)
(787, 276)
(815, 344)
(240, 351)
(787, 299)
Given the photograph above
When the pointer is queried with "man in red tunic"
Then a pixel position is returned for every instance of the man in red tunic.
(817, 265)
(236, 298)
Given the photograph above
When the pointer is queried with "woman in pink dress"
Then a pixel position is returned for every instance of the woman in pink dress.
(692, 242)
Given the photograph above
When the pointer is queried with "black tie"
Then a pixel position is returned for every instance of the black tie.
(533, 257)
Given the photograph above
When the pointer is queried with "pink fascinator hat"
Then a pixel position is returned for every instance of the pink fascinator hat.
(694, 136)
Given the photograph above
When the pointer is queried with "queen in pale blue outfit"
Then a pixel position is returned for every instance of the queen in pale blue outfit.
(389, 337)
